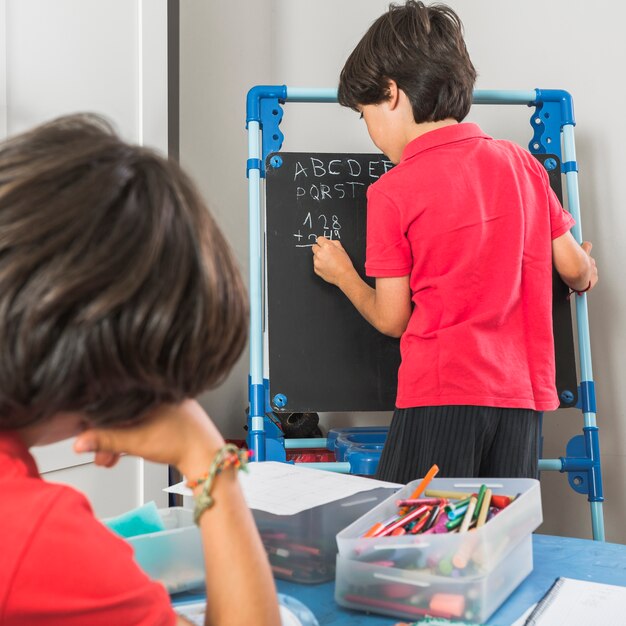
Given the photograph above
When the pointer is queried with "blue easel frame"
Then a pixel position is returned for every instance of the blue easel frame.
(552, 121)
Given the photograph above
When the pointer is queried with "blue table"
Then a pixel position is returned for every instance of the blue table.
(552, 557)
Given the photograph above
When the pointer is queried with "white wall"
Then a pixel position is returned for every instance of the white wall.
(563, 44)
(109, 57)
(225, 49)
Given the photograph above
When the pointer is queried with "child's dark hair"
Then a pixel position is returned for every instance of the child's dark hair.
(422, 49)
(118, 291)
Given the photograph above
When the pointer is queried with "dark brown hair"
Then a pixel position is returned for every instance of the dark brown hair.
(117, 289)
(422, 49)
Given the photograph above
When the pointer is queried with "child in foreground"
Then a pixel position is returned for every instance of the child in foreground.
(461, 238)
(120, 301)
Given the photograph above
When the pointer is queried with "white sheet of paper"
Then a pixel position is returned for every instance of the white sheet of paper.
(581, 603)
(286, 489)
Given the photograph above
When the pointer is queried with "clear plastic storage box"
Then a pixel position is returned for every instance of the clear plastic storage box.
(410, 594)
(302, 547)
(464, 575)
(174, 555)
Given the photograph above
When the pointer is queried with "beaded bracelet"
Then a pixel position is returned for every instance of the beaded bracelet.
(227, 456)
(579, 293)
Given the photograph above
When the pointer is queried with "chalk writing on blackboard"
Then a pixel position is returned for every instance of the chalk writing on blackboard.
(325, 226)
(319, 182)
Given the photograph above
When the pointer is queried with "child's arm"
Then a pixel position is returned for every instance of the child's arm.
(235, 561)
(574, 262)
(387, 308)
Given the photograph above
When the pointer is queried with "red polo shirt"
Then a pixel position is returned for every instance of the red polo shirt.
(59, 565)
(471, 220)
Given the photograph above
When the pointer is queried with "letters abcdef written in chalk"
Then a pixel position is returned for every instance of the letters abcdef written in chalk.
(324, 180)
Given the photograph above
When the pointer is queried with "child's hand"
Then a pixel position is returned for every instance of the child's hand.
(182, 435)
(330, 261)
(574, 263)
(586, 246)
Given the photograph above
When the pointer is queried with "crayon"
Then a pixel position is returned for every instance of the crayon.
(450, 603)
(282, 552)
(481, 495)
(465, 551)
(297, 547)
(439, 526)
(379, 526)
(424, 483)
(374, 529)
(391, 606)
(409, 527)
(397, 591)
(432, 519)
(459, 504)
(454, 523)
(450, 495)
(274, 535)
(421, 523)
(485, 555)
(458, 512)
(469, 514)
(500, 501)
(418, 501)
(401, 522)
(282, 570)
(401, 558)
(484, 509)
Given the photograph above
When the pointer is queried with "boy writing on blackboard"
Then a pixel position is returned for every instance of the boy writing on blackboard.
(461, 238)
(120, 300)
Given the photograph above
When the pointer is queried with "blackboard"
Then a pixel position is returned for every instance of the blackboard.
(323, 356)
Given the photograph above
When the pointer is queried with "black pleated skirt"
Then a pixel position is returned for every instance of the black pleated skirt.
(464, 441)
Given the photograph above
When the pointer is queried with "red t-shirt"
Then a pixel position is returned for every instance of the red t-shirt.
(58, 563)
(471, 219)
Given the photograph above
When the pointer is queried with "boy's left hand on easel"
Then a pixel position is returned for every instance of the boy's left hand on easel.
(330, 261)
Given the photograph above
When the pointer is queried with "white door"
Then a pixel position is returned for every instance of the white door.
(109, 57)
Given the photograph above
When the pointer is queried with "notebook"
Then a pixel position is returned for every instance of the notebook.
(579, 603)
